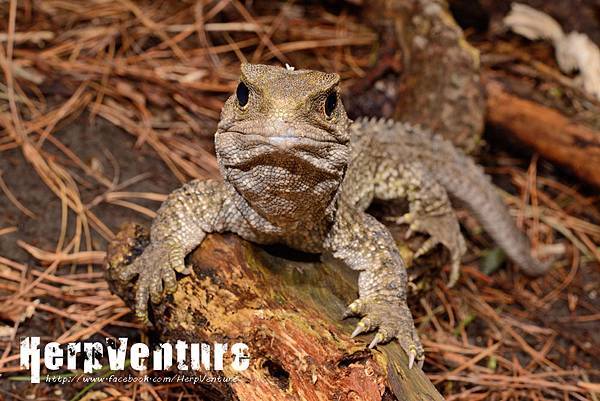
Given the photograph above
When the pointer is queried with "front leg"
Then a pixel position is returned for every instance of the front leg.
(430, 209)
(182, 222)
(366, 245)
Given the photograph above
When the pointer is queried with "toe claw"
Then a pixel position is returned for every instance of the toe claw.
(404, 219)
(412, 229)
(178, 267)
(412, 354)
(176, 260)
(360, 328)
(376, 340)
(352, 310)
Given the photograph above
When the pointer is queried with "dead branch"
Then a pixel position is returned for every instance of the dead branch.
(549, 132)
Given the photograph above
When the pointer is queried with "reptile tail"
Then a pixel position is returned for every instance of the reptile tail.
(468, 183)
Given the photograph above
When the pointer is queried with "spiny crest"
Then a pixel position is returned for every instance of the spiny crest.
(378, 122)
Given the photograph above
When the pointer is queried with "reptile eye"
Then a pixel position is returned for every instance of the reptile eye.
(242, 92)
(330, 104)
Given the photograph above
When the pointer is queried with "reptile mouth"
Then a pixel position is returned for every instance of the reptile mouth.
(287, 151)
(284, 140)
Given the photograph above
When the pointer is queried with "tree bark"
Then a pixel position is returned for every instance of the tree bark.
(439, 87)
(288, 313)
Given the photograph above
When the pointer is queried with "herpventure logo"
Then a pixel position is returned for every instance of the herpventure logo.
(188, 356)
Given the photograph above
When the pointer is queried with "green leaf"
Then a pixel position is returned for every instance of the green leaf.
(492, 260)
(492, 362)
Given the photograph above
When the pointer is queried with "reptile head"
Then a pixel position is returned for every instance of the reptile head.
(283, 141)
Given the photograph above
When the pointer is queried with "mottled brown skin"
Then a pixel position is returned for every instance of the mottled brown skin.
(298, 172)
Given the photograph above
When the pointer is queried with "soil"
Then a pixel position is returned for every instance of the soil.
(96, 143)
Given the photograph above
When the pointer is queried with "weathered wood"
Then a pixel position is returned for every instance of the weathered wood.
(287, 311)
(552, 134)
(439, 87)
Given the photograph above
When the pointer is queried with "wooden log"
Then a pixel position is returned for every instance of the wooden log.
(549, 132)
(288, 313)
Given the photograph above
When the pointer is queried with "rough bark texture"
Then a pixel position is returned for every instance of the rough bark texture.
(549, 132)
(288, 312)
(440, 85)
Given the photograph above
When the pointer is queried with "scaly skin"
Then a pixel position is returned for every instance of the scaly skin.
(298, 172)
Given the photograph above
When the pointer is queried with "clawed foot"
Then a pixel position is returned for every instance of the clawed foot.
(392, 319)
(155, 269)
(442, 229)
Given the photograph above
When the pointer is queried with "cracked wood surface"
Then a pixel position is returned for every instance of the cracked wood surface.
(287, 308)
